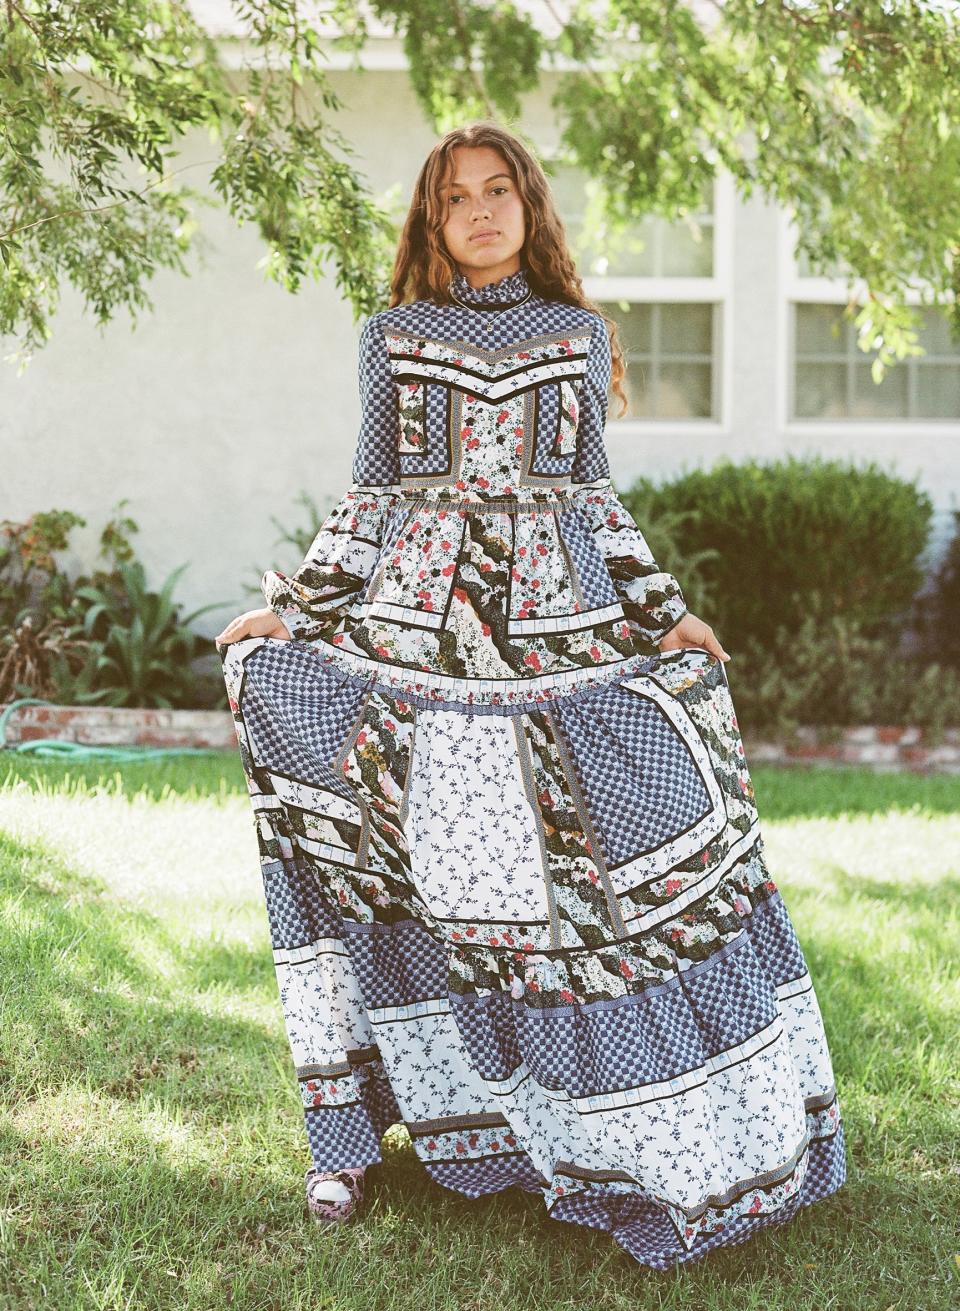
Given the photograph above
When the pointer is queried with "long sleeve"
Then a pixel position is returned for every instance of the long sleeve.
(342, 556)
(652, 600)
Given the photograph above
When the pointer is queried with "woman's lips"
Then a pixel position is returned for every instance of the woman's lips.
(484, 236)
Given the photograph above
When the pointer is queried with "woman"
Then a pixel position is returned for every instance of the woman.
(511, 856)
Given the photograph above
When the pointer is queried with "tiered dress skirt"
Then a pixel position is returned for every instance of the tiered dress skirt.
(542, 937)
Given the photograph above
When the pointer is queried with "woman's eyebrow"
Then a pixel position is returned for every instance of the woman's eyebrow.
(489, 179)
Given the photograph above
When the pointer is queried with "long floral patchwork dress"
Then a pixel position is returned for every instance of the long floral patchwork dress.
(512, 861)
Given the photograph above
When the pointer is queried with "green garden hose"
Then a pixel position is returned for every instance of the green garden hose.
(63, 750)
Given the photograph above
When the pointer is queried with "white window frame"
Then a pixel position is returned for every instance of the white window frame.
(716, 290)
(795, 290)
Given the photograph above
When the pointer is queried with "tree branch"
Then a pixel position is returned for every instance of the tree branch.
(99, 209)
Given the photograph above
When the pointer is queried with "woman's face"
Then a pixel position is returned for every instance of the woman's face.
(480, 197)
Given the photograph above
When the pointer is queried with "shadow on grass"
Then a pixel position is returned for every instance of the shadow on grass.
(81, 990)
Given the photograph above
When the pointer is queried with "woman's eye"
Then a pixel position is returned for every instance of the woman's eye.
(459, 197)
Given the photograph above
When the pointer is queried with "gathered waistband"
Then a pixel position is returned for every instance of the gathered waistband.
(555, 499)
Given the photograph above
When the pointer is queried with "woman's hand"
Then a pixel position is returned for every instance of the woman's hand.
(692, 631)
(254, 623)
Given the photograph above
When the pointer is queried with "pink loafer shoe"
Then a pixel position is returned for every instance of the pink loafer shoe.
(334, 1197)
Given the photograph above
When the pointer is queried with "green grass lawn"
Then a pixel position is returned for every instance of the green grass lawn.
(152, 1133)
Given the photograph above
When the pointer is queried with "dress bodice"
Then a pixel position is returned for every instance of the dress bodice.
(481, 552)
(503, 395)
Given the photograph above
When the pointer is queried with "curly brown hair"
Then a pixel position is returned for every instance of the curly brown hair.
(423, 268)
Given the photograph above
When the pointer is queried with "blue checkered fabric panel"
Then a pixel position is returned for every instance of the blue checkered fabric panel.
(341, 1137)
(640, 784)
(489, 1030)
(376, 461)
(451, 323)
(297, 911)
(591, 461)
(398, 964)
(487, 1174)
(774, 941)
(618, 1046)
(438, 402)
(709, 992)
(587, 560)
(298, 714)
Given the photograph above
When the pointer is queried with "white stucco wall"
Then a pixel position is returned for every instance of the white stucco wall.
(233, 396)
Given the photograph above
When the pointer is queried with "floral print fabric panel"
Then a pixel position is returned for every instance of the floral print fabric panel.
(652, 599)
(338, 563)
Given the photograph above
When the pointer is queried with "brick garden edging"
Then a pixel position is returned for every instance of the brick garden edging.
(121, 726)
(881, 748)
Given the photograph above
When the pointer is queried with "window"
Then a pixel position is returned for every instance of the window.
(829, 377)
(832, 377)
(657, 281)
(669, 358)
(653, 247)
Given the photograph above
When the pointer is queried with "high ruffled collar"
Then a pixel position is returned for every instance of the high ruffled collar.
(507, 290)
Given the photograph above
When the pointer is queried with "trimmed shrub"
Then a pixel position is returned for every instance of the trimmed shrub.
(759, 539)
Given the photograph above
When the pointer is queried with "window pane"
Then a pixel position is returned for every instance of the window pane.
(938, 391)
(925, 387)
(634, 324)
(820, 330)
(805, 270)
(687, 254)
(566, 183)
(821, 391)
(652, 246)
(638, 384)
(934, 337)
(659, 247)
(839, 268)
(566, 187)
(670, 391)
(684, 391)
(686, 329)
(632, 254)
(803, 263)
(568, 198)
(885, 400)
(659, 387)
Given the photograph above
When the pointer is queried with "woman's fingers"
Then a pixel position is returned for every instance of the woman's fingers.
(254, 623)
(712, 643)
(694, 631)
(232, 633)
(242, 626)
